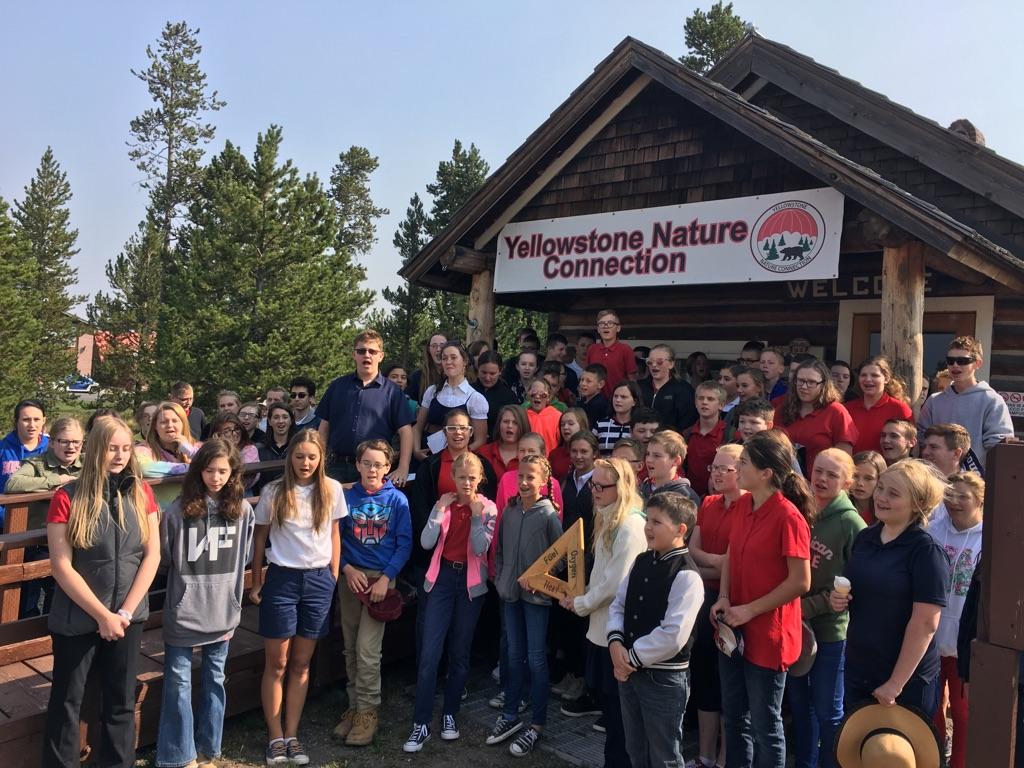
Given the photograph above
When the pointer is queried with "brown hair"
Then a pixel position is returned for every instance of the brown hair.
(581, 419)
(954, 435)
(968, 343)
(672, 442)
(545, 467)
(521, 421)
(376, 445)
(193, 490)
(284, 506)
(827, 393)
(894, 386)
(773, 451)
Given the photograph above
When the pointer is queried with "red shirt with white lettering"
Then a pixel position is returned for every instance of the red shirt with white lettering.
(618, 359)
(760, 542)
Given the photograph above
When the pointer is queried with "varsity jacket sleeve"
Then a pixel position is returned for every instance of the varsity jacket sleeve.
(616, 609)
(402, 521)
(684, 601)
(481, 529)
(606, 581)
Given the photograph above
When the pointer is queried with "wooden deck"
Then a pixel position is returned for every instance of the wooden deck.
(26, 661)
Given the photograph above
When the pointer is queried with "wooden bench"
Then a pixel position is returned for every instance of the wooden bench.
(26, 661)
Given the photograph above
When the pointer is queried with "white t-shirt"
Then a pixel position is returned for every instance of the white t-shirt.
(461, 396)
(296, 544)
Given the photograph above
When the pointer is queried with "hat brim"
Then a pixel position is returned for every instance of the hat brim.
(808, 652)
(870, 717)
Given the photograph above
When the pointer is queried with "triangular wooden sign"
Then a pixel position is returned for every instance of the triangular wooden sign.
(570, 548)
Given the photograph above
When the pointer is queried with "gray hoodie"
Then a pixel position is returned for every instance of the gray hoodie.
(524, 536)
(205, 558)
(980, 410)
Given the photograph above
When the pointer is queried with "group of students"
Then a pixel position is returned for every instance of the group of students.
(703, 508)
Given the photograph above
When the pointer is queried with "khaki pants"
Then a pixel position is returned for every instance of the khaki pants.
(363, 636)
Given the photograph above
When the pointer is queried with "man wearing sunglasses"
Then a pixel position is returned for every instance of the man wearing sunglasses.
(971, 403)
(300, 393)
(364, 406)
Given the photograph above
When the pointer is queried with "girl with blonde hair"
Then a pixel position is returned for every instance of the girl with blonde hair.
(168, 448)
(104, 540)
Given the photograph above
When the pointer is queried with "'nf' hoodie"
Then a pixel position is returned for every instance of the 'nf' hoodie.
(205, 559)
(980, 410)
(964, 551)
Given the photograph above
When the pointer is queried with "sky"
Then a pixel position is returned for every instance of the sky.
(406, 79)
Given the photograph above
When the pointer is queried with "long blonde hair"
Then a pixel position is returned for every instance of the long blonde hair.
(153, 439)
(89, 494)
(284, 506)
(606, 523)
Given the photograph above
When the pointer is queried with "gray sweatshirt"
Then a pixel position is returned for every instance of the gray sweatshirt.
(980, 410)
(205, 558)
(524, 536)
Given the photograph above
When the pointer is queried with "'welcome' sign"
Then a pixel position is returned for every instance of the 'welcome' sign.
(746, 239)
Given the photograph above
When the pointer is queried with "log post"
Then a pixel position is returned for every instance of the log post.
(481, 309)
(903, 310)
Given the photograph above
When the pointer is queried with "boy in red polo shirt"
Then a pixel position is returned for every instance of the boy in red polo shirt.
(706, 435)
(617, 357)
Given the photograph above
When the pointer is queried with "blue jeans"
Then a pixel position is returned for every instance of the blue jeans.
(450, 613)
(816, 700)
(526, 625)
(180, 734)
(653, 703)
(752, 710)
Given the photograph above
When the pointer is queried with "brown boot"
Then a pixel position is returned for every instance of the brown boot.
(363, 729)
(342, 729)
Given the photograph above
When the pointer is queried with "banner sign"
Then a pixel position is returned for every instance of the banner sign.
(792, 235)
(1014, 401)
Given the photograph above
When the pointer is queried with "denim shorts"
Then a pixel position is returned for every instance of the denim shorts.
(296, 601)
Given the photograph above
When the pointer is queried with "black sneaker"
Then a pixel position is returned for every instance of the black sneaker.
(599, 725)
(449, 728)
(296, 754)
(503, 729)
(524, 743)
(276, 752)
(420, 735)
(586, 704)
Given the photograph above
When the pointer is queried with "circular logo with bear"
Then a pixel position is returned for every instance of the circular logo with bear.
(788, 236)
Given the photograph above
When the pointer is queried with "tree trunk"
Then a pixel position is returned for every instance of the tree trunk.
(481, 309)
(903, 311)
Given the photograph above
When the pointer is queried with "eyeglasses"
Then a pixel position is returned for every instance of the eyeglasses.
(438, 345)
(960, 361)
(233, 431)
(808, 383)
(594, 486)
(720, 470)
(749, 360)
(68, 443)
(373, 465)
(301, 395)
(248, 414)
(452, 429)
(366, 351)
(607, 324)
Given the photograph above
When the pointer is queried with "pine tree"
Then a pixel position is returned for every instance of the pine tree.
(350, 190)
(127, 319)
(22, 326)
(710, 35)
(167, 138)
(406, 325)
(43, 223)
(258, 292)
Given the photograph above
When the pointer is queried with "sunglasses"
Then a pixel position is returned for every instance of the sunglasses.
(961, 361)
(366, 351)
(300, 395)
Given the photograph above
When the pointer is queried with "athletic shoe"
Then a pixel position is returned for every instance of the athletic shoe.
(524, 743)
(449, 728)
(296, 754)
(496, 674)
(575, 690)
(420, 735)
(563, 685)
(503, 729)
(277, 753)
(498, 701)
(599, 725)
(586, 704)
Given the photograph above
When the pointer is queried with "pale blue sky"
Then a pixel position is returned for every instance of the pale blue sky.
(407, 78)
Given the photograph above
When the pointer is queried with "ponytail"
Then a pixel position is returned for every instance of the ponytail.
(798, 493)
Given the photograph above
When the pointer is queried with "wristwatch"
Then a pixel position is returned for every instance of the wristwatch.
(124, 615)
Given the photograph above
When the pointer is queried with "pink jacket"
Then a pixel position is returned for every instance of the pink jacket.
(478, 545)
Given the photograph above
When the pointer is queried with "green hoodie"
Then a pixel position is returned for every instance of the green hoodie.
(831, 542)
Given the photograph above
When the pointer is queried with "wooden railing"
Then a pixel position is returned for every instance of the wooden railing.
(16, 537)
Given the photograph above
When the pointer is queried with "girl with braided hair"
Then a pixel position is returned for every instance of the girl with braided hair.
(529, 527)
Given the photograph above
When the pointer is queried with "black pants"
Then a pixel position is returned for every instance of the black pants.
(116, 662)
(600, 677)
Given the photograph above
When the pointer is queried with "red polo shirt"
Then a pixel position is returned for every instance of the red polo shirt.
(869, 421)
(618, 359)
(492, 455)
(759, 543)
(715, 522)
(819, 430)
(700, 453)
(445, 481)
(457, 540)
(560, 461)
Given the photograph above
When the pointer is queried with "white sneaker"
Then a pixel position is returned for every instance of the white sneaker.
(420, 735)
(449, 728)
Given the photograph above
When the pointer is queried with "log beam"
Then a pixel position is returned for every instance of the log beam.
(466, 261)
(903, 310)
(480, 325)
